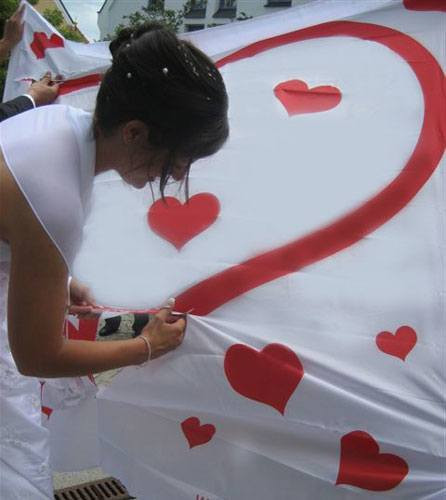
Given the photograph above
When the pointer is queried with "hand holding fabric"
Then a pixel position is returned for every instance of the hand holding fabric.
(163, 334)
(44, 91)
(82, 302)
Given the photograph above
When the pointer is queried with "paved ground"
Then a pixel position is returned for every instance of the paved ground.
(66, 479)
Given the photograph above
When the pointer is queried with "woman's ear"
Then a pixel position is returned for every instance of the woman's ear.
(135, 132)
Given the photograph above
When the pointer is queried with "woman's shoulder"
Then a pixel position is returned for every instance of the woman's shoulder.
(53, 118)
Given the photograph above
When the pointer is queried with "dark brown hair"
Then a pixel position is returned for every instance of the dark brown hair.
(169, 85)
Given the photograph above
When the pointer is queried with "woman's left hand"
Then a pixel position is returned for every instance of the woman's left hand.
(82, 303)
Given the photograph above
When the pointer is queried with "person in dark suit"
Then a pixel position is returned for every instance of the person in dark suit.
(41, 92)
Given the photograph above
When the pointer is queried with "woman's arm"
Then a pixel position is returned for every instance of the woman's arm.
(37, 301)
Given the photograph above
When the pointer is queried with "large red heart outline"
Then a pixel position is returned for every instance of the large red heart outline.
(298, 98)
(362, 465)
(213, 292)
(269, 376)
(425, 5)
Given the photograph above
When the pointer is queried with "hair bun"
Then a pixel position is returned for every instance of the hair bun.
(125, 36)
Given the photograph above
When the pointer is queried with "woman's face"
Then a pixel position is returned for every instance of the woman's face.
(141, 164)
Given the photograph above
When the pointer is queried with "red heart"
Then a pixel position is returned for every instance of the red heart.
(195, 433)
(398, 345)
(297, 98)
(41, 42)
(362, 465)
(439, 5)
(213, 292)
(269, 376)
(47, 410)
(179, 223)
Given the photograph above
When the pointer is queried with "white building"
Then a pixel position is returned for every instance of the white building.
(204, 14)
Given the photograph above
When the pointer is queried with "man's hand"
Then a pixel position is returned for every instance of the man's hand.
(13, 32)
(44, 91)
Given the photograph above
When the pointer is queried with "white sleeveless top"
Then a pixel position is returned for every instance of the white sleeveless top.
(50, 151)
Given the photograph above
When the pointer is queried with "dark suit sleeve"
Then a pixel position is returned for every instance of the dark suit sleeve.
(14, 107)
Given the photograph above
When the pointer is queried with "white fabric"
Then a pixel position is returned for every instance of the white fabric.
(54, 170)
(277, 179)
(24, 448)
(57, 185)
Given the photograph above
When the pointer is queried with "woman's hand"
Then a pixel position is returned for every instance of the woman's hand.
(163, 334)
(82, 302)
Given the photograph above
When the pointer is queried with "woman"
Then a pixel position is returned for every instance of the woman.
(161, 105)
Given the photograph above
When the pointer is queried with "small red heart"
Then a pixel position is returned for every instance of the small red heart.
(362, 465)
(439, 5)
(195, 433)
(41, 42)
(47, 411)
(269, 376)
(398, 345)
(178, 223)
(297, 98)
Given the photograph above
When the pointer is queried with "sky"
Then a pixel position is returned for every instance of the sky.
(85, 13)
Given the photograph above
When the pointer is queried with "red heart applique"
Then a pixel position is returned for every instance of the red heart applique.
(362, 465)
(398, 345)
(47, 411)
(178, 223)
(297, 98)
(269, 376)
(41, 42)
(86, 329)
(439, 5)
(211, 293)
(195, 433)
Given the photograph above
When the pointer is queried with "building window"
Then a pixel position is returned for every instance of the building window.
(155, 3)
(226, 9)
(194, 27)
(278, 3)
(197, 9)
(228, 4)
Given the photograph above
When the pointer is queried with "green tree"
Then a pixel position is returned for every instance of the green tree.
(155, 12)
(55, 17)
(7, 8)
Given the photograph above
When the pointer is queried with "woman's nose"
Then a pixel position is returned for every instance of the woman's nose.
(179, 171)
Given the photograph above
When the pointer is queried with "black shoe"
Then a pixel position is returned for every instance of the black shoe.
(111, 326)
